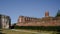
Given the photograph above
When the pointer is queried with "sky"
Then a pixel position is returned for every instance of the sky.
(31, 8)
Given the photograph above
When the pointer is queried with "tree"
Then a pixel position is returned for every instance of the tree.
(58, 13)
(12, 27)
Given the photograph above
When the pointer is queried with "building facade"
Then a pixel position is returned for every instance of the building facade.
(45, 21)
(5, 22)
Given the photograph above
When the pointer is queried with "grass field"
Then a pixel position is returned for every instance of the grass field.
(14, 32)
(8, 31)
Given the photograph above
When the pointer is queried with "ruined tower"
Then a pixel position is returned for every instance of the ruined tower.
(5, 22)
(46, 14)
(21, 19)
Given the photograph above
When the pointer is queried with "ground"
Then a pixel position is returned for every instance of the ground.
(15, 31)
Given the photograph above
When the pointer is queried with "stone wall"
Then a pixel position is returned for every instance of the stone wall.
(47, 21)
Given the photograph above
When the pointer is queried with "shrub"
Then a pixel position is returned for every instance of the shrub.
(48, 28)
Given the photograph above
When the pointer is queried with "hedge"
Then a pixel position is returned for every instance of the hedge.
(48, 28)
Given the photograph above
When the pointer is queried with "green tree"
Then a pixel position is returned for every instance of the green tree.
(58, 13)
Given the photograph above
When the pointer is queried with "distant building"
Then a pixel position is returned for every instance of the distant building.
(45, 21)
(5, 22)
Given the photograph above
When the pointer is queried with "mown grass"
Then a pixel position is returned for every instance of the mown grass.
(9, 31)
(14, 32)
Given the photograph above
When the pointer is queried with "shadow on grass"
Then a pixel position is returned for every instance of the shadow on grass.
(57, 33)
(2, 33)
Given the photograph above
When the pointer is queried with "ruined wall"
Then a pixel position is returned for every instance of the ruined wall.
(45, 21)
(49, 21)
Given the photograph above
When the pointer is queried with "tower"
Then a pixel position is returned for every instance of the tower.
(5, 22)
(21, 19)
(46, 14)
